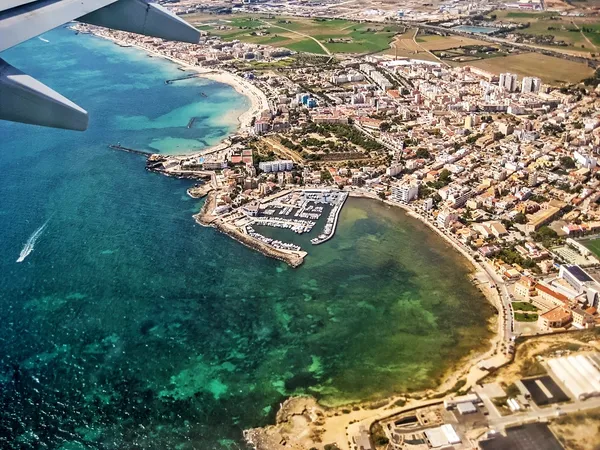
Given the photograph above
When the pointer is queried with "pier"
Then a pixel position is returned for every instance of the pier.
(332, 220)
(130, 150)
(185, 77)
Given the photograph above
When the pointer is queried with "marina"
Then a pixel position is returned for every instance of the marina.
(300, 211)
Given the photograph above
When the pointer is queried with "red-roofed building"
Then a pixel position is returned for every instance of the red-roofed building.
(555, 318)
(552, 296)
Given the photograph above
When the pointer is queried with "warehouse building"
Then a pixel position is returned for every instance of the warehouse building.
(580, 374)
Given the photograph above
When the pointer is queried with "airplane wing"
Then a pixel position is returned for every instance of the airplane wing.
(24, 99)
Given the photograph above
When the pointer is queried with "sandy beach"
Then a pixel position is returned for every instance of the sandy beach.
(258, 100)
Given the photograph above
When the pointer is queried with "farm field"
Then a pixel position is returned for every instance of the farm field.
(581, 34)
(299, 34)
(550, 69)
(405, 46)
(435, 42)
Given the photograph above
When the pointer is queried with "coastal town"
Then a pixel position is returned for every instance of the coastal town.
(503, 166)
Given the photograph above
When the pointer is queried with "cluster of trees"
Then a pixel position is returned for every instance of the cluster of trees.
(567, 162)
(594, 80)
(473, 138)
(552, 130)
(260, 157)
(511, 256)
(385, 126)
(547, 236)
(444, 179)
(291, 145)
(520, 218)
(326, 176)
(346, 132)
(538, 198)
(423, 153)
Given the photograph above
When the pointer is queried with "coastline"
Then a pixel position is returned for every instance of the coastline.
(258, 100)
(338, 424)
(337, 433)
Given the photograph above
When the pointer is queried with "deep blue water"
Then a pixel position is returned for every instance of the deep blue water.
(131, 327)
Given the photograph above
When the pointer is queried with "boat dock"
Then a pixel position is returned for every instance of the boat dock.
(185, 77)
(130, 150)
(332, 220)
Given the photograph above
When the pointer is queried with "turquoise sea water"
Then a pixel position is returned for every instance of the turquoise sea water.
(130, 327)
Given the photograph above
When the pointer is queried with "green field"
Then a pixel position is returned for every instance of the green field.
(551, 70)
(525, 317)
(523, 306)
(593, 245)
(337, 35)
(562, 28)
(307, 46)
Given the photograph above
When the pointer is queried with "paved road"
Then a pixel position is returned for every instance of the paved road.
(546, 413)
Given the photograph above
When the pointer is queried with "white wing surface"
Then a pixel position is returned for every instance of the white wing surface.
(24, 99)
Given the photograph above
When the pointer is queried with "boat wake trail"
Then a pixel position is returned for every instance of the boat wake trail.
(30, 244)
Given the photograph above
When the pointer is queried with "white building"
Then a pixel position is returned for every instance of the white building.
(508, 81)
(405, 192)
(585, 160)
(428, 204)
(276, 166)
(445, 218)
(530, 85)
(214, 165)
(580, 374)
(393, 170)
(261, 126)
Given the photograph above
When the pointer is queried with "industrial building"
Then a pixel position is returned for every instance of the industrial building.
(579, 374)
(533, 436)
(442, 436)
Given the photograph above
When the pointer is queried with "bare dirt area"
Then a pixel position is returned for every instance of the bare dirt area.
(533, 350)
(579, 431)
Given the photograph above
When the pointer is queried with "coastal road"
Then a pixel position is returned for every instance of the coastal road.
(504, 297)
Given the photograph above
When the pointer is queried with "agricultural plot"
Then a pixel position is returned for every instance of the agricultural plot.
(550, 69)
(299, 34)
(573, 34)
(470, 53)
(422, 47)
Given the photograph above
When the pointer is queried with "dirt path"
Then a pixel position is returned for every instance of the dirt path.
(281, 149)
(584, 36)
(325, 49)
(427, 51)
